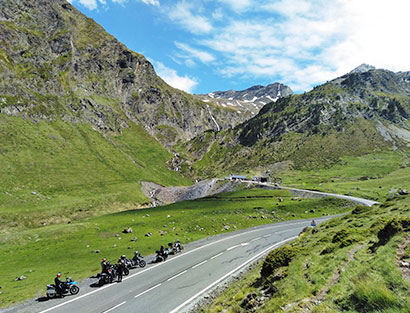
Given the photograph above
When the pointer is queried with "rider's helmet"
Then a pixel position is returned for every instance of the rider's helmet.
(136, 252)
(58, 274)
(123, 256)
(104, 259)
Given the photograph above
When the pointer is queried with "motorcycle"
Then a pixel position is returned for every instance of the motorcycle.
(107, 277)
(71, 287)
(136, 261)
(178, 248)
(161, 256)
(175, 248)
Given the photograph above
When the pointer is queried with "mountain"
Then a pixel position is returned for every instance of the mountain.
(357, 113)
(56, 63)
(78, 112)
(250, 100)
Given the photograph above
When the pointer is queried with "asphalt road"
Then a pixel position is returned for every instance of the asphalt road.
(320, 193)
(174, 285)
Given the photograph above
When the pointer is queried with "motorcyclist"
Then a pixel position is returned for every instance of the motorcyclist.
(104, 267)
(137, 256)
(120, 268)
(178, 245)
(313, 224)
(60, 285)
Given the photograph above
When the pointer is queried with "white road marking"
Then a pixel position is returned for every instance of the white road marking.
(173, 277)
(257, 238)
(174, 258)
(268, 235)
(199, 264)
(215, 256)
(245, 244)
(233, 247)
(113, 308)
(178, 309)
(148, 290)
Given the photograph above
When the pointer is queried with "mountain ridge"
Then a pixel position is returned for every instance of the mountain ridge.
(248, 101)
(354, 114)
(56, 62)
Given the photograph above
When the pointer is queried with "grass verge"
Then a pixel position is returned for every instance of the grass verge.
(41, 252)
(348, 264)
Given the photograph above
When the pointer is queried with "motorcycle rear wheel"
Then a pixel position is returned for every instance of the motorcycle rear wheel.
(126, 271)
(143, 263)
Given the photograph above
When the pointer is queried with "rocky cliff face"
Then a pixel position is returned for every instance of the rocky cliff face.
(363, 111)
(248, 101)
(57, 63)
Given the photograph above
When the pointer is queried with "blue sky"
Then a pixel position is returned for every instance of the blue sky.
(202, 46)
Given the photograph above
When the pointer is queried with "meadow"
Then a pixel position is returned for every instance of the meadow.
(39, 253)
(373, 176)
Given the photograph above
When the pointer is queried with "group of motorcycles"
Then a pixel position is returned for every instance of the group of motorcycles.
(111, 272)
(114, 272)
(162, 253)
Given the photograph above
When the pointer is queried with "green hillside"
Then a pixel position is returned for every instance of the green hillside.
(353, 115)
(349, 264)
(38, 253)
(53, 172)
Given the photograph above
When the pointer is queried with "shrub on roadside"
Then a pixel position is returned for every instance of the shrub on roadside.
(278, 258)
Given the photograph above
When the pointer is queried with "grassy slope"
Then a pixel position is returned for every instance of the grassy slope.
(371, 176)
(349, 277)
(313, 151)
(41, 252)
(73, 170)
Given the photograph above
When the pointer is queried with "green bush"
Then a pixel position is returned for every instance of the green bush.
(368, 296)
(278, 258)
(391, 228)
(360, 209)
(328, 249)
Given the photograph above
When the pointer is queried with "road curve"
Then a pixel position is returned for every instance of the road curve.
(320, 193)
(174, 285)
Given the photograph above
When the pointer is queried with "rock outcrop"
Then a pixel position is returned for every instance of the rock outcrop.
(57, 63)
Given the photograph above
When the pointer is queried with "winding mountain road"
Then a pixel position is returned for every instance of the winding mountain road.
(175, 285)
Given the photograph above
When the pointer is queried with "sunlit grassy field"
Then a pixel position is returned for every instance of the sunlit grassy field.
(372, 176)
(41, 252)
(54, 172)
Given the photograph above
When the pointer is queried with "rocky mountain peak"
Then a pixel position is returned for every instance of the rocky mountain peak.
(249, 100)
(363, 68)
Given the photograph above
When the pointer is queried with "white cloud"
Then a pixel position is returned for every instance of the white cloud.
(171, 77)
(238, 5)
(308, 42)
(203, 56)
(93, 4)
(151, 2)
(89, 4)
(182, 13)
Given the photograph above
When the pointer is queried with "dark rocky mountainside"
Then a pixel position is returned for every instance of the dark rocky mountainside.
(363, 111)
(57, 63)
(248, 100)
